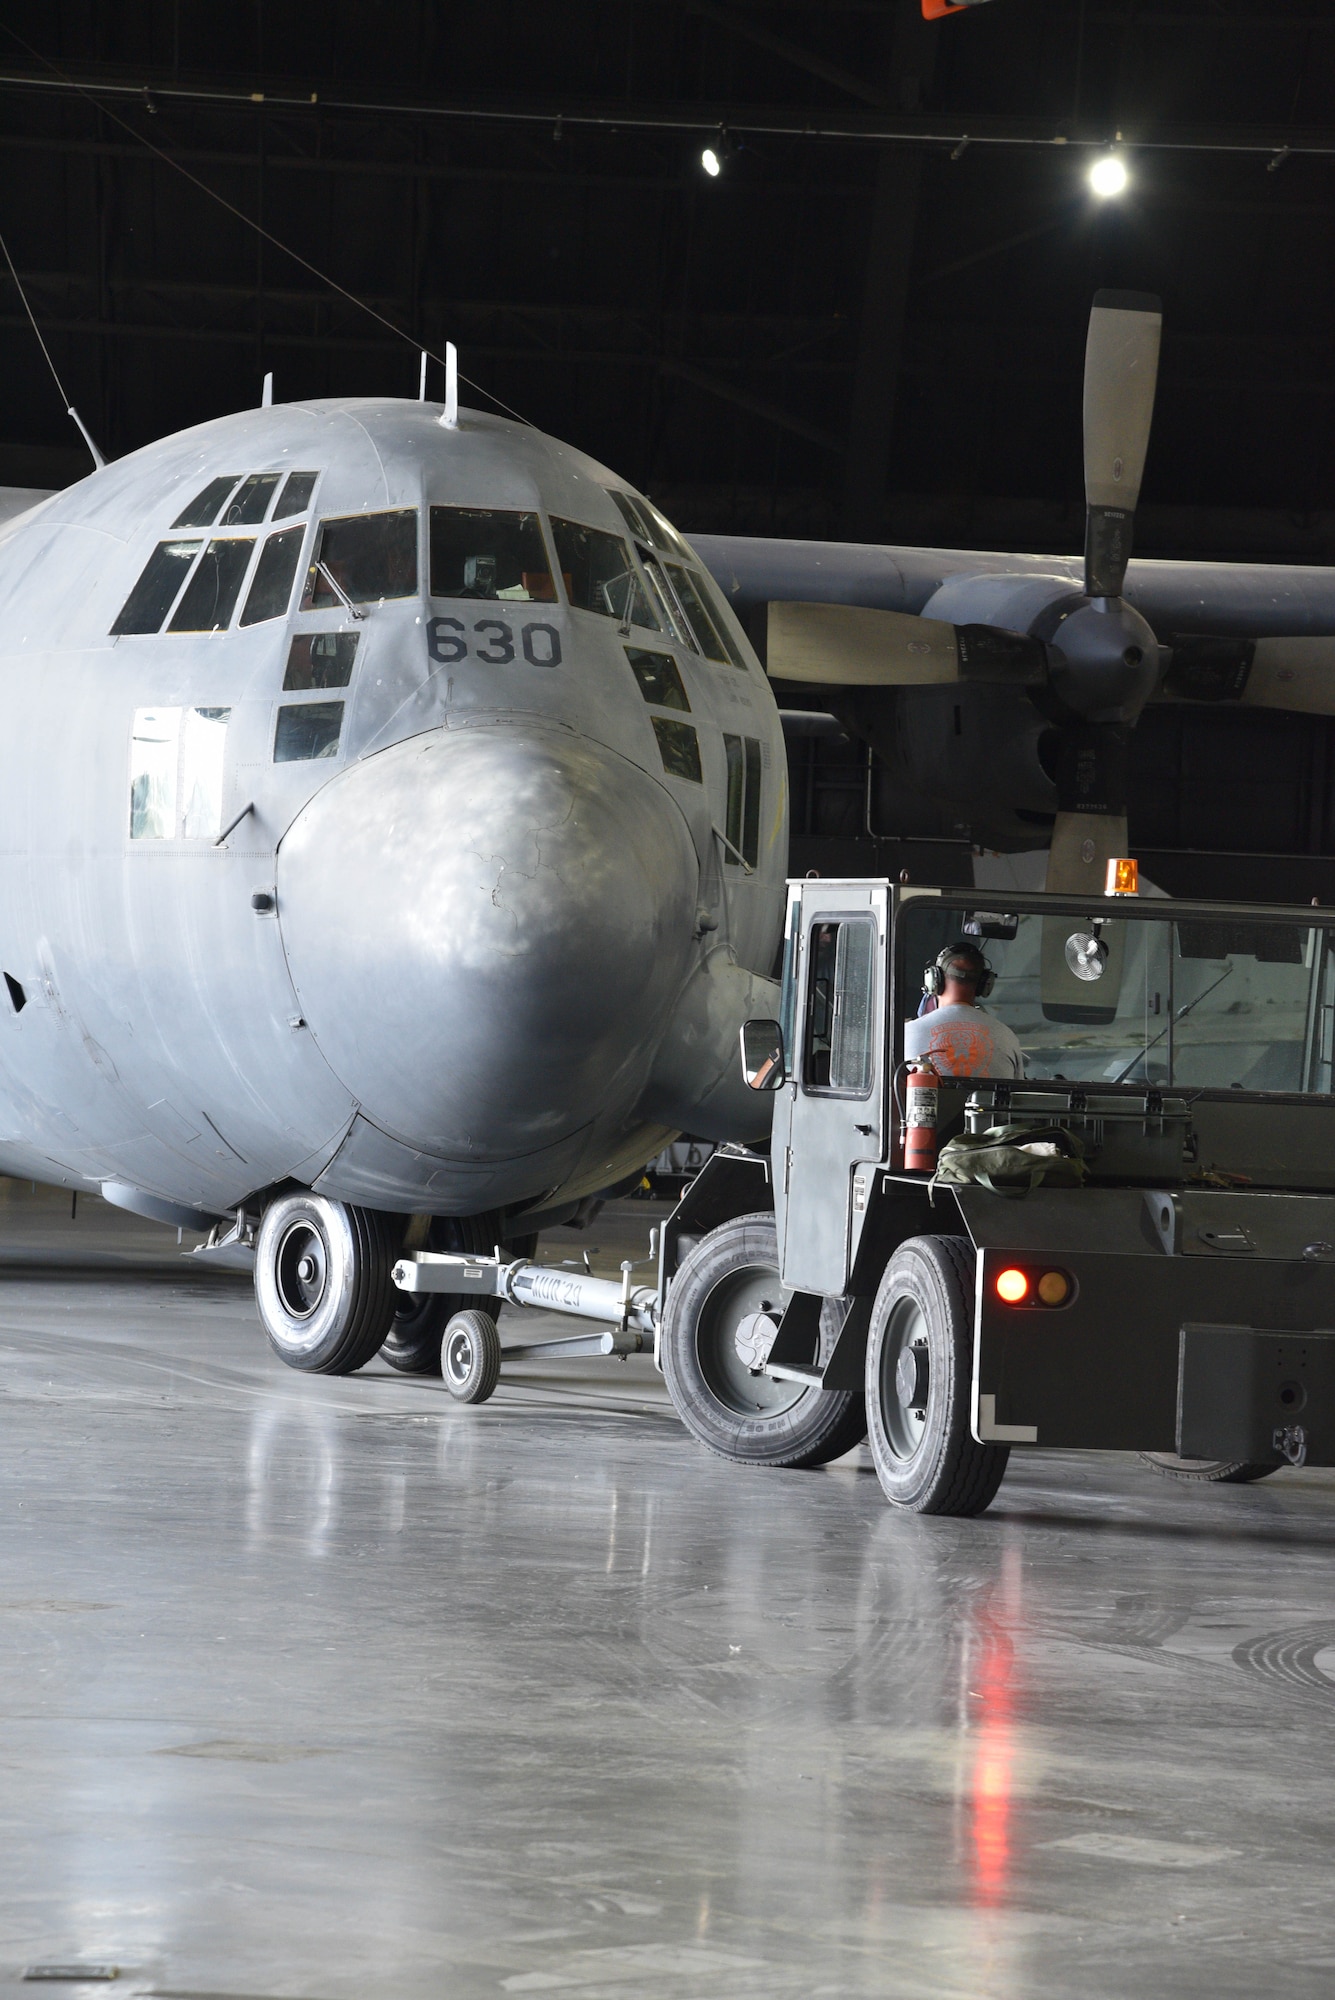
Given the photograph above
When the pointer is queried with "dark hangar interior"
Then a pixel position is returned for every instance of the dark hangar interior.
(597, 1400)
(868, 326)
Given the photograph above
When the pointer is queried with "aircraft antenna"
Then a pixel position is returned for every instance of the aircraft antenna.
(450, 414)
(266, 393)
(70, 410)
(421, 380)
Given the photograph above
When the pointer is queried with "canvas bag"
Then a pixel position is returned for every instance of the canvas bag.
(1012, 1159)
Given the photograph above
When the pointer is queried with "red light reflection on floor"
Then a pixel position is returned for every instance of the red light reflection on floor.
(991, 1706)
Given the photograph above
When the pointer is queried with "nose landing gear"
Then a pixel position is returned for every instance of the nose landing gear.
(322, 1282)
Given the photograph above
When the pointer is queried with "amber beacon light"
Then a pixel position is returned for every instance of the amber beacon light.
(1123, 879)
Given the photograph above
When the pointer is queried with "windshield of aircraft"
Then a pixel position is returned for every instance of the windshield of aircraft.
(600, 573)
(367, 556)
(1121, 995)
(643, 519)
(482, 552)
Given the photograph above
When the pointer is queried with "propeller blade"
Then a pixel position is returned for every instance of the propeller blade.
(1082, 846)
(848, 645)
(1121, 371)
(1293, 674)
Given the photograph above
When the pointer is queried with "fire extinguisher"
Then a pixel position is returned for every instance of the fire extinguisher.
(921, 1102)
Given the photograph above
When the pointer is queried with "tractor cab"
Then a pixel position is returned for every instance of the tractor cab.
(1125, 1241)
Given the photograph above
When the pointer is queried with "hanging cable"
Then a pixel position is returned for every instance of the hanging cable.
(70, 410)
(250, 223)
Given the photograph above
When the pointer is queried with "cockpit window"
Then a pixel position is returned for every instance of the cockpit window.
(633, 515)
(643, 519)
(671, 620)
(711, 596)
(252, 501)
(481, 552)
(204, 508)
(370, 556)
(679, 747)
(307, 730)
(667, 536)
(320, 660)
(176, 773)
(277, 566)
(210, 596)
(701, 623)
(600, 573)
(155, 593)
(295, 497)
(659, 680)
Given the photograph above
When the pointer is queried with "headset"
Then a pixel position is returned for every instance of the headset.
(934, 977)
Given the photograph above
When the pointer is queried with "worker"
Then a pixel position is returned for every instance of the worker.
(960, 1037)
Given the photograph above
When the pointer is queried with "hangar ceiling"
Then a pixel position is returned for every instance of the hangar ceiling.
(863, 327)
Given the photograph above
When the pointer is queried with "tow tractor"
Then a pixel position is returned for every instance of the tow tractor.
(1178, 1301)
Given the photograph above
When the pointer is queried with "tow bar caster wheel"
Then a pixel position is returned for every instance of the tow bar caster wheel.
(322, 1282)
(723, 1306)
(919, 1383)
(470, 1356)
(413, 1343)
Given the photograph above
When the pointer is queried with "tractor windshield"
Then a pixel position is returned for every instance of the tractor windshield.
(1133, 993)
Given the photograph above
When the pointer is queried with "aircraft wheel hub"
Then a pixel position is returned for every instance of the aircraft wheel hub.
(302, 1269)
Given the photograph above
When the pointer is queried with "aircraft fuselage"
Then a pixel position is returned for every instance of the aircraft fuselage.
(510, 862)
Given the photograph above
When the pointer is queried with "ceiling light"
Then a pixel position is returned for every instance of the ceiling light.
(1108, 176)
(714, 156)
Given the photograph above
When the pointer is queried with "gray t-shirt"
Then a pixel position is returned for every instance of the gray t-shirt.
(965, 1041)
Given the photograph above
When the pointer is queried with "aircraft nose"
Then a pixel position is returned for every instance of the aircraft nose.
(487, 928)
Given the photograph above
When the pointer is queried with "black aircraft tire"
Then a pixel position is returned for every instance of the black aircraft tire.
(1206, 1471)
(322, 1282)
(413, 1343)
(927, 1458)
(747, 1418)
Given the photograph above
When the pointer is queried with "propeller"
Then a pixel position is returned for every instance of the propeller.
(1087, 659)
(1297, 674)
(1121, 375)
(848, 645)
(1121, 371)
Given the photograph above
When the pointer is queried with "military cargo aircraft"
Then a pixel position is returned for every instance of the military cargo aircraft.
(395, 824)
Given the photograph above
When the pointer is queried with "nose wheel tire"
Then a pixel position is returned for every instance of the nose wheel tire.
(723, 1305)
(470, 1356)
(919, 1383)
(413, 1344)
(1206, 1471)
(322, 1282)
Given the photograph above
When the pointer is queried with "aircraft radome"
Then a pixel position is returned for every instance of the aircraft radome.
(395, 825)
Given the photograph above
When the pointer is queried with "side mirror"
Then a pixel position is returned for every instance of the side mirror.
(762, 1054)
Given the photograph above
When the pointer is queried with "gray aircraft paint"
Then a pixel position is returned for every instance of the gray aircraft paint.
(1233, 600)
(506, 953)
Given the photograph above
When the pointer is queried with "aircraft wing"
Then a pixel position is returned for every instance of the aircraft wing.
(1214, 600)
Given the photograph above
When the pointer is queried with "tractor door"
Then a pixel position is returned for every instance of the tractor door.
(837, 1089)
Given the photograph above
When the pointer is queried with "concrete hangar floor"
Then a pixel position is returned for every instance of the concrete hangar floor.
(323, 1688)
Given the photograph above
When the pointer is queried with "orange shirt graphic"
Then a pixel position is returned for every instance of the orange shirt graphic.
(965, 1041)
